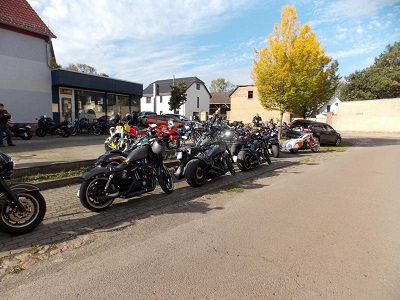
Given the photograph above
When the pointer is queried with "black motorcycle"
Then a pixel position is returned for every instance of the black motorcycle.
(19, 130)
(136, 175)
(82, 126)
(48, 126)
(213, 159)
(254, 151)
(273, 142)
(22, 206)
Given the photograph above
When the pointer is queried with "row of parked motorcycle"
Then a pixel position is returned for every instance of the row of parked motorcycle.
(139, 165)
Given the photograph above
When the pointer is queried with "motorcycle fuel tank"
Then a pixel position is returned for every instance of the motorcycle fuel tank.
(138, 153)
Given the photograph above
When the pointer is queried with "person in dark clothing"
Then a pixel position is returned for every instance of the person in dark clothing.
(257, 120)
(4, 117)
(135, 119)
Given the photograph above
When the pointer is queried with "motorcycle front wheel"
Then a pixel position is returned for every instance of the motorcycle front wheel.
(173, 144)
(16, 222)
(91, 192)
(195, 172)
(165, 180)
(41, 132)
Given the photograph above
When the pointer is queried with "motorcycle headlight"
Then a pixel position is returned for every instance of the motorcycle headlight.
(179, 155)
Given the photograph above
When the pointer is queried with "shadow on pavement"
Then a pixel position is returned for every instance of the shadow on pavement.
(72, 219)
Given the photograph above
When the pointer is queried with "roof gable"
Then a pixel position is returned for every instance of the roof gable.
(220, 98)
(165, 85)
(19, 14)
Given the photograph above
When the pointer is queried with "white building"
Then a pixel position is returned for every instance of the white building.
(330, 107)
(156, 97)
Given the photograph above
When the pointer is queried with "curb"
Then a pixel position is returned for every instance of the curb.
(57, 183)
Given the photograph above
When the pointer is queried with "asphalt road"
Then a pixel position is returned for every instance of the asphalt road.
(325, 229)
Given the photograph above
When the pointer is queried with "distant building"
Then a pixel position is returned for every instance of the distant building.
(245, 104)
(222, 102)
(330, 107)
(157, 95)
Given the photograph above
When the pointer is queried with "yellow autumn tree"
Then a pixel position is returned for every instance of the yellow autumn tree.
(293, 73)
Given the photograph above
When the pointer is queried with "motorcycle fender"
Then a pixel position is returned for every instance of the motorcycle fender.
(20, 187)
(95, 172)
(273, 141)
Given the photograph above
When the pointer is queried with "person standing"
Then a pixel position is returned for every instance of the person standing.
(257, 120)
(4, 117)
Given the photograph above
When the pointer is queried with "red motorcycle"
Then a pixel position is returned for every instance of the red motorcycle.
(170, 133)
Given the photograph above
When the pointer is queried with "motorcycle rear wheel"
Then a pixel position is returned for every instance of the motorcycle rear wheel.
(97, 130)
(244, 163)
(26, 136)
(194, 173)
(91, 190)
(275, 150)
(15, 222)
(165, 180)
(73, 130)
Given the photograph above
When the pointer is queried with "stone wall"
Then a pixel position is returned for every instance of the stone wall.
(381, 115)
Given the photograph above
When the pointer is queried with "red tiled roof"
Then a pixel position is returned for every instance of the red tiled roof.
(19, 14)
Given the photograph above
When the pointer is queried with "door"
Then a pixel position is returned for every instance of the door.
(67, 109)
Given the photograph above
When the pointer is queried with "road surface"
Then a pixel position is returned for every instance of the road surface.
(325, 229)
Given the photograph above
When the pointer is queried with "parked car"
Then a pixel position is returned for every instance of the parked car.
(180, 117)
(143, 115)
(324, 132)
(163, 120)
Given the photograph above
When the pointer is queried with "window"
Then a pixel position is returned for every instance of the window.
(160, 99)
(250, 94)
(148, 99)
(198, 102)
(328, 108)
(197, 86)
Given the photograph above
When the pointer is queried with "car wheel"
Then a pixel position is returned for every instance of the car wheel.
(338, 141)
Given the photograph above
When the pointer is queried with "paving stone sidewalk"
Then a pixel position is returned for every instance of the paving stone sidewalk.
(66, 218)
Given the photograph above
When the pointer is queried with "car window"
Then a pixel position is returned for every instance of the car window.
(328, 127)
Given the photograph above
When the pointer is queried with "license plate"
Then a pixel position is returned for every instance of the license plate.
(179, 155)
(234, 158)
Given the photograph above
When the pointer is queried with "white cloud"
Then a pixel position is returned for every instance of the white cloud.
(134, 40)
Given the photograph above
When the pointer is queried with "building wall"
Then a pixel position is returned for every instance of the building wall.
(25, 77)
(368, 115)
(244, 109)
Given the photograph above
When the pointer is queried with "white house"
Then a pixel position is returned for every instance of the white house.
(156, 97)
(331, 106)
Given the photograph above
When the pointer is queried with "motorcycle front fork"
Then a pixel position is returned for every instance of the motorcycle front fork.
(11, 196)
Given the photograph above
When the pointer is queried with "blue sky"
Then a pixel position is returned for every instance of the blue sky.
(148, 40)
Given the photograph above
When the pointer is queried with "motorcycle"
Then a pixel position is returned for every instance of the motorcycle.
(48, 126)
(304, 142)
(22, 206)
(273, 143)
(135, 175)
(81, 126)
(20, 130)
(213, 159)
(254, 152)
(122, 136)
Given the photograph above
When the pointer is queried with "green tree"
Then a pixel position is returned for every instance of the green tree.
(379, 81)
(84, 68)
(220, 85)
(292, 73)
(178, 96)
